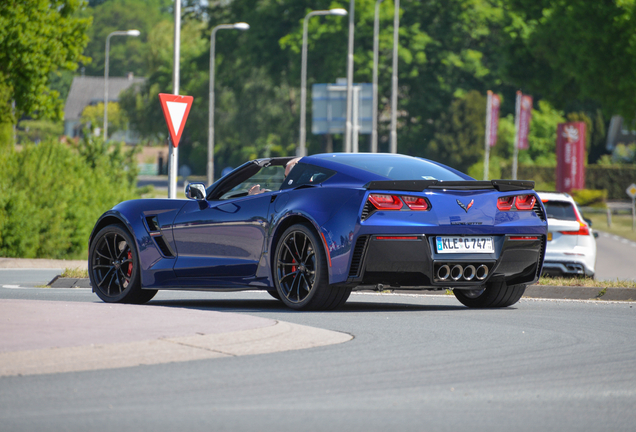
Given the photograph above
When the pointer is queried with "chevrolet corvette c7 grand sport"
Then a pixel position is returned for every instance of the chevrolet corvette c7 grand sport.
(335, 223)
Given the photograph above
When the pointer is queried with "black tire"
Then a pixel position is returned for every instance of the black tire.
(494, 295)
(274, 294)
(301, 274)
(113, 267)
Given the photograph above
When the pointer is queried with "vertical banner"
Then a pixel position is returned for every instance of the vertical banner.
(525, 114)
(570, 150)
(492, 125)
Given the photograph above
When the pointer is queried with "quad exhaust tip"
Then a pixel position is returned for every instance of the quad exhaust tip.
(469, 272)
(458, 272)
(443, 272)
(482, 272)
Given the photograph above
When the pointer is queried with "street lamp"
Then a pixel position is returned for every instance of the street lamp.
(302, 150)
(235, 26)
(394, 77)
(376, 32)
(133, 33)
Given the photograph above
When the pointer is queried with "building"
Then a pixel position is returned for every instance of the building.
(89, 90)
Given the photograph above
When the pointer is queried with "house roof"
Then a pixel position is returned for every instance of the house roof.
(86, 90)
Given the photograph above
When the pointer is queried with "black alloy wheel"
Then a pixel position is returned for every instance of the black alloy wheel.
(113, 267)
(493, 295)
(301, 272)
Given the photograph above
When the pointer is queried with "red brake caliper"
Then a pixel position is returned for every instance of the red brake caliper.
(130, 265)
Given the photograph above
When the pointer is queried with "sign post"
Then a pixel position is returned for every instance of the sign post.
(631, 191)
(175, 110)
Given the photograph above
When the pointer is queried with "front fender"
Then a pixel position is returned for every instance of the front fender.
(156, 268)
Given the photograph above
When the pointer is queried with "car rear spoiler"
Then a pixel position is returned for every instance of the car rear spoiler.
(420, 185)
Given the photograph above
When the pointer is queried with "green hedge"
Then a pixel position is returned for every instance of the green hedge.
(614, 179)
(52, 194)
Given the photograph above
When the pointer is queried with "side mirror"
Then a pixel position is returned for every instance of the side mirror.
(195, 191)
(588, 220)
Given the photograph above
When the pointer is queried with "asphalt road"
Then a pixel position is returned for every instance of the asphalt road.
(615, 258)
(415, 363)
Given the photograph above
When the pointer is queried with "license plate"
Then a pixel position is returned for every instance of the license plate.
(464, 245)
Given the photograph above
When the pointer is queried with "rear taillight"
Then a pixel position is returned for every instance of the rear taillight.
(416, 203)
(525, 202)
(505, 203)
(386, 202)
(583, 230)
(520, 202)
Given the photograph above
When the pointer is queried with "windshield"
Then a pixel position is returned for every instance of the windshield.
(397, 167)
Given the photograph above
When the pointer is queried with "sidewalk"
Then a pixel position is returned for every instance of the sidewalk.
(37, 263)
(42, 337)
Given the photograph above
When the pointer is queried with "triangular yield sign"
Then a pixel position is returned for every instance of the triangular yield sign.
(175, 109)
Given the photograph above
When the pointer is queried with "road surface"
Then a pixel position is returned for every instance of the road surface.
(415, 363)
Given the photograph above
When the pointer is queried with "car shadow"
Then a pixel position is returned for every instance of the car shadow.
(270, 305)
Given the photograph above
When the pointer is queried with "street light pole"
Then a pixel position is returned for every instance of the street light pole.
(352, 8)
(302, 148)
(235, 26)
(133, 33)
(394, 77)
(374, 115)
(173, 152)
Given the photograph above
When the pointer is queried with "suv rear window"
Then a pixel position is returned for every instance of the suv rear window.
(560, 210)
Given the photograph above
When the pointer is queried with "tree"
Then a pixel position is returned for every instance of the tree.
(127, 54)
(459, 140)
(93, 117)
(574, 50)
(37, 37)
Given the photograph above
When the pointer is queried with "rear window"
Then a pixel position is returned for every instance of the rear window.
(398, 167)
(560, 210)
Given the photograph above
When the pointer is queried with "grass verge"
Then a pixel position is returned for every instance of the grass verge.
(74, 273)
(586, 282)
(621, 224)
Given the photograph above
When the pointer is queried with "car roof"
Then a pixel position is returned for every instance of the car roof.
(555, 196)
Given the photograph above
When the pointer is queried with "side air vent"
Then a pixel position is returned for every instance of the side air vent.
(538, 210)
(367, 210)
(541, 256)
(163, 246)
(358, 256)
(153, 223)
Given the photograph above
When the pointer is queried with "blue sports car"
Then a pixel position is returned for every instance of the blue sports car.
(311, 234)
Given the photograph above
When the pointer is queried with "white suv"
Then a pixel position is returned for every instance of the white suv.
(571, 246)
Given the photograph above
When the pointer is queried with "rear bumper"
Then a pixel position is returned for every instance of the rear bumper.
(414, 262)
(566, 268)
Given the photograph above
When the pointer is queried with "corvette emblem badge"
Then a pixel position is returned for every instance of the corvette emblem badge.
(466, 207)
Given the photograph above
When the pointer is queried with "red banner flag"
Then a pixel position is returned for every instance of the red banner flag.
(524, 114)
(493, 117)
(570, 173)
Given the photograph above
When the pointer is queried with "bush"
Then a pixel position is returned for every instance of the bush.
(589, 197)
(52, 194)
(612, 178)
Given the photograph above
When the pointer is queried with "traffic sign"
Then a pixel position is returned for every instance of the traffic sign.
(175, 109)
(631, 190)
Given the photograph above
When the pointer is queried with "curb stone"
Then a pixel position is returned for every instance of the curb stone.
(60, 282)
